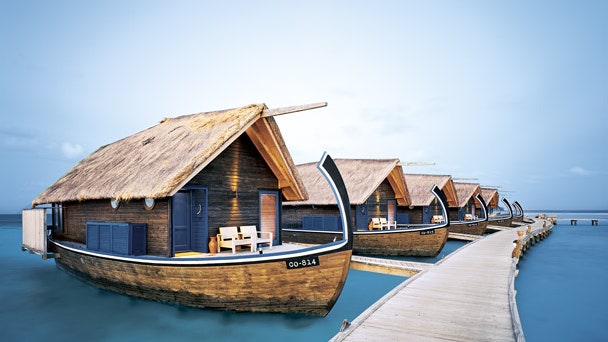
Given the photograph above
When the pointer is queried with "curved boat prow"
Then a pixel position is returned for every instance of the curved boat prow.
(438, 193)
(328, 168)
(484, 206)
(504, 200)
(518, 208)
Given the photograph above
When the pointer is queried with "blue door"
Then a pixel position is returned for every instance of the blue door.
(362, 217)
(198, 221)
(181, 221)
(461, 212)
(190, 221)
(426, 214)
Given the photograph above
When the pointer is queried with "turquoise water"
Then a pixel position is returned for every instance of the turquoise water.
(562, 287)
(561, 296)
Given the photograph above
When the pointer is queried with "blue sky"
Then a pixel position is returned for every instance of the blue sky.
(510, 93)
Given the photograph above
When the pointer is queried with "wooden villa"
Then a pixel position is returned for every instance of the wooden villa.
(140, 216)
(518, 216)
(465, 218)
(495, 214)
(379, 200)
(376, 188)
(199, 172)
(490, 196)
(425, 208)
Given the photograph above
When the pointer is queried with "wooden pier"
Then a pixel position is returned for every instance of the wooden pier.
(491, 227)
(388, 266)
(464, 237)
(468, 296)
(574, 221)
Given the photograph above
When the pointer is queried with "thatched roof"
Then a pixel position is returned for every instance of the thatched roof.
(490, 196)
(464, 192)
(361, 176)
(158, 161)
(420, 188)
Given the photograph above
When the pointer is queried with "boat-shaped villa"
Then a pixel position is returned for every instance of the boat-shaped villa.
(380, 207)
(470, 216)
(518, 215)
(495, 214)
(162, 214)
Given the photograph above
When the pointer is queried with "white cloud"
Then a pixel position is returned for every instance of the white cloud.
(577, 170)
(71, 151)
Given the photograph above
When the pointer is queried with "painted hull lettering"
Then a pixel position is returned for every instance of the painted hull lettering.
(308, 261)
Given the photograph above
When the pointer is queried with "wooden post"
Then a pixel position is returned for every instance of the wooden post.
(516, 249)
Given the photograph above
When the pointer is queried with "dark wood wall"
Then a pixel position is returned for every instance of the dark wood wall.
(453, 212)
(234, 180)
(292, 214)
(469, 209)
(77, 214)
(377, 202)
(415, 214)
(376, 207)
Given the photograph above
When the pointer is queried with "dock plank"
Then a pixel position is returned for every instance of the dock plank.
(465, 297)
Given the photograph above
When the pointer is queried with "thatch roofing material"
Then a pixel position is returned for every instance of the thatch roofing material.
(158, 161)
(464, 192)
(361, 177)
(420, 186)
(490, 196)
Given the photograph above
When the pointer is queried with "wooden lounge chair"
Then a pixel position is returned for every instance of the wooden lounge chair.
(229, 238)
(387, 224)
(256, 236)
(376, 224)
(437, 219)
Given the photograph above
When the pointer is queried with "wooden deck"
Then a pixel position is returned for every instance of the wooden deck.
(388, 266)
(497, 228)
(468, 296)
(463, 237)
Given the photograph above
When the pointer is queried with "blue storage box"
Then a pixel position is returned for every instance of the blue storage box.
(117, 237)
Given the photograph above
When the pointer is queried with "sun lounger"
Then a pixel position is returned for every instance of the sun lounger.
(376, 224)
(256, 236)
(384, 223)
(229, 238)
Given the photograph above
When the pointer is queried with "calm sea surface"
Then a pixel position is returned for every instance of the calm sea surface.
(560, 294)
(562, 287)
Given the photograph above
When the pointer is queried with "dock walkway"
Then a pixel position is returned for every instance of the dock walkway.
(388, 266)
(468, 296)
(463, 237)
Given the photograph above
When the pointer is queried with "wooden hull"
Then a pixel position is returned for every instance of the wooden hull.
(255, 283)
(505, 222)
(463, 227)
(426, 242)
